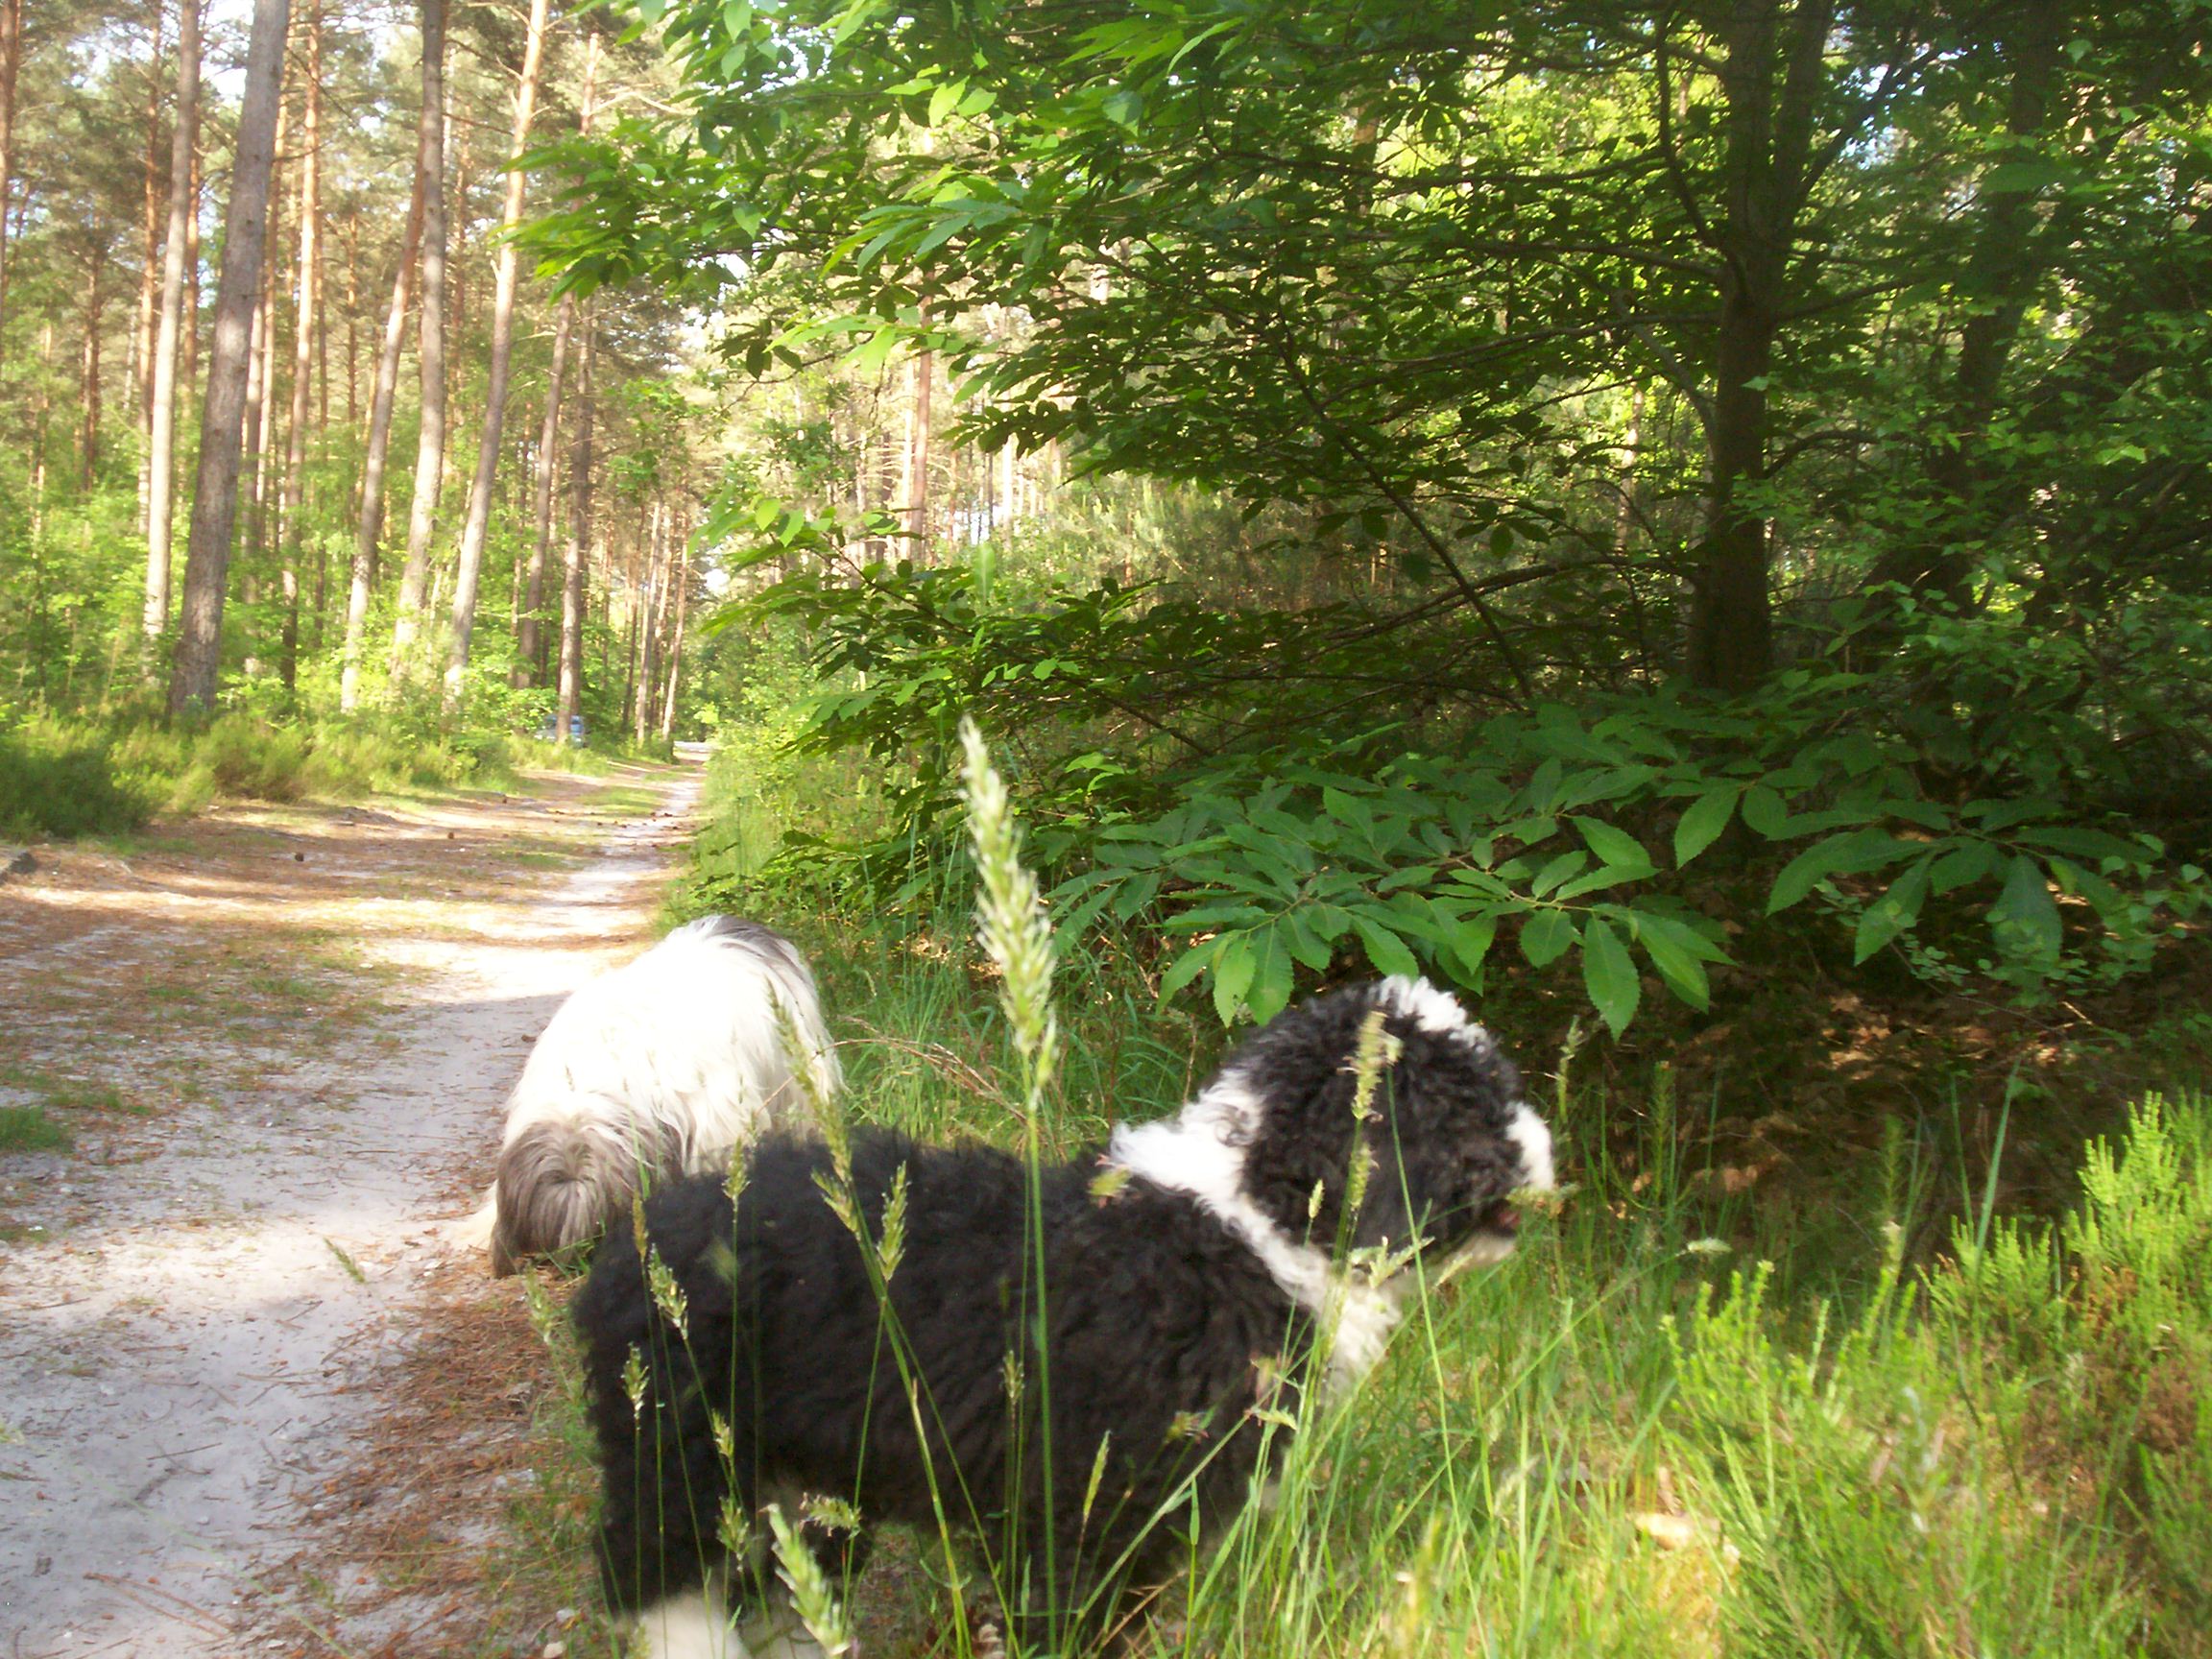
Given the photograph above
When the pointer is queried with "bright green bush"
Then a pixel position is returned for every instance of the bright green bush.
(57, 777)
(67, 778)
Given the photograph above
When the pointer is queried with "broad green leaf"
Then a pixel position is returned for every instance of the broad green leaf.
(1961, 865)
(2084, 843)
(1764, 812)
(1609, 975)
(1557, 871)
(1187, 968)
(1303, 943)
(2023, 921)
(942, 100)
(1836, 855)
(1545, 937)
(1234, 967)
(1675, 951)
(1385, 948)
(1598, 881)
(1895, 911)
(1469, 944)
(1703, 822)
(1612, 845)
(1273, 979)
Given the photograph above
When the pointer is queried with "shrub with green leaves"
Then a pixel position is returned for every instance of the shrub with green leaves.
(1607, 839)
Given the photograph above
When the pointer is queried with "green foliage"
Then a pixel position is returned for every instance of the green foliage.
(28, 1129)
(69, 778)
(1603, 841)
(1867, 1478)
(57, 778)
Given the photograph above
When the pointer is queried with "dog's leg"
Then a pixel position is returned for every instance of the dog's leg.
(691, 1625)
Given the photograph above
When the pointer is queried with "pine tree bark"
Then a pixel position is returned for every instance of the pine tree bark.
(478, 523)
(369, 530)
(430, 351)
(189, 371)
(354, 318)
(261, 388)
(149, 283)
(650, 619)
(11, 60)
(914, 472)
(571, 687)
(215, 495)
(676, 641)
(530, 636)
(530, 631)
(161, 430)
(303, 327)
(88, 375)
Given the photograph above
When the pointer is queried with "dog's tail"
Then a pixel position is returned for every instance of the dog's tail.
(557, 1181)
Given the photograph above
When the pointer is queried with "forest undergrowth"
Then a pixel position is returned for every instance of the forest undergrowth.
(1884, 1393)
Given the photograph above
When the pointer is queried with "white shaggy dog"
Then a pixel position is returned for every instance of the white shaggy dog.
(662, 1067)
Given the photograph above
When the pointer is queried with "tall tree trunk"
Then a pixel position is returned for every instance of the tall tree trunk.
(2014, 232)
(627, 709)
(354, 319)
(189, 370)
(914, 471)
(530, 631)
(88, 377)
(370, 528)
(149, 285)
(571, 689)
(531, 636)
(11, 60)
(161, 431)
(261, 393)
(215, 495)
(260, 542)
(430, 447)
(1767, 141)
(479, 520)
(304, 324)
(649, 612)
(676, 640)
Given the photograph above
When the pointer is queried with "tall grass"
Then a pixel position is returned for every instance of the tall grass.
(1676, 1422)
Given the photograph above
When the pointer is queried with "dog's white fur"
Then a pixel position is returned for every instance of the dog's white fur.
(696, 1624)
(682, 1049)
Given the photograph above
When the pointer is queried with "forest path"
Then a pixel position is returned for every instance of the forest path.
(280, 1040)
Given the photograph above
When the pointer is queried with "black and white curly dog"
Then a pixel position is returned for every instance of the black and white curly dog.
(1184, 1283)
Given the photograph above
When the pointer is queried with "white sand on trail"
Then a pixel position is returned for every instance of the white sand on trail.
(176, 1355)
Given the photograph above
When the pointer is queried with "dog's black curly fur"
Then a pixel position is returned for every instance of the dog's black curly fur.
(1165, 1329)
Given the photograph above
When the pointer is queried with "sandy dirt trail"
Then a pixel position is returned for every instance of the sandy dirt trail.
(282, 1040)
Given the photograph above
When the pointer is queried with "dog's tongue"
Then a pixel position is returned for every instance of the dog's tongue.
(1503, 1216)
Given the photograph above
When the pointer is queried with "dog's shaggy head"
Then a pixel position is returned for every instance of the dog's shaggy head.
(664, 1067)
(1270, 1146)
